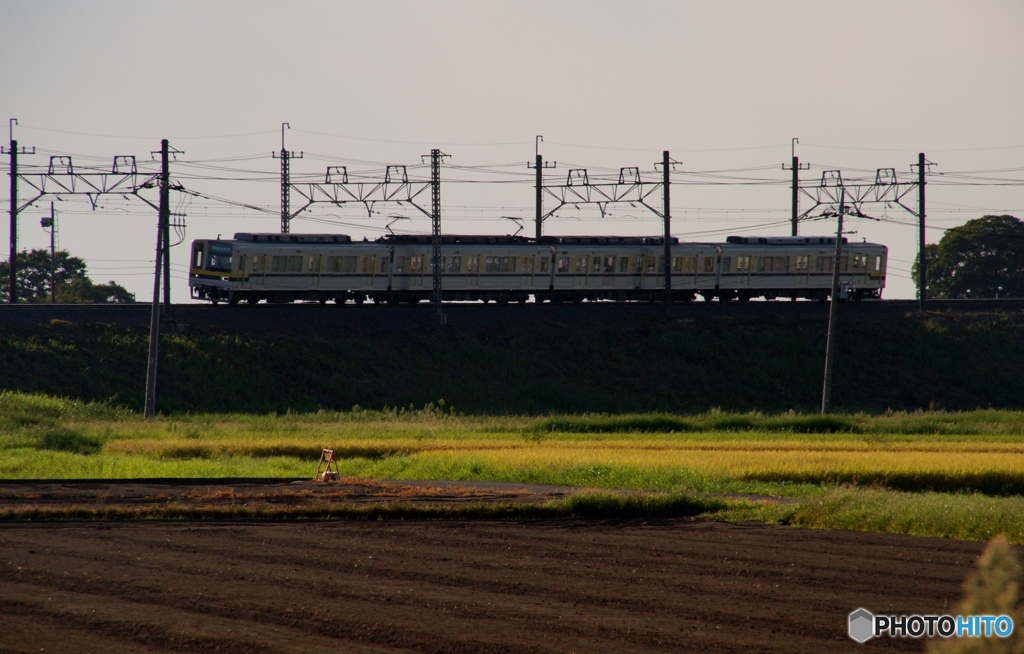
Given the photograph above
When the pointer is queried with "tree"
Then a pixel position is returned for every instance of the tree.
(983, 258)
(72, 282)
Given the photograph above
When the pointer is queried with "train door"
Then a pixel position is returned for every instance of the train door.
(367, 270)
(260, 269)
(314, 269)
(581, 270)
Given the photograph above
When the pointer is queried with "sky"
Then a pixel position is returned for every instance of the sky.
(724, 86)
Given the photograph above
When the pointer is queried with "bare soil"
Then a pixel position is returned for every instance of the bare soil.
(460, 586)
(256, 495)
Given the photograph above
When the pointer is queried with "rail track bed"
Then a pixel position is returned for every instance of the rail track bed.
(303, 316)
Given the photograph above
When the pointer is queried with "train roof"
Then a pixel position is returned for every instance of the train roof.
(293, 238)
(784, 240)
(483, 239)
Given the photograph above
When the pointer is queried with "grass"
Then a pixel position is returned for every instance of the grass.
(957, 475)
(961, 516)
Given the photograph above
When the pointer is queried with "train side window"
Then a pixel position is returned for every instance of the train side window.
(295, 263)
(384, 264)
(709, 264)
(844, 263)
(595, 264)
(241, 263)
(333, 264)
(508, 264)
(579, 264)
(609, 265)
(544, 264)
(415, 263)
(400, 264)
(650, 264)
(563, 264)
(492, 264)
(623, 264)
(454, 265)
(278, 264)
(526, 265)
(801, 264)
(472, 265)
(348, 264)
(781, 264)
(368, 264)
(743, 264)
(823, 264)
(197, 255)
(764, 264)
(726, 262)
(677, 264)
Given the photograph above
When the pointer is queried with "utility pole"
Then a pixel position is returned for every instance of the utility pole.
(830, 345)
(154, 317)
(539, 165)
(435, 230)
(165, 220)
(285, 156)
(13, 151)
(667, 214)
(51, 224)
(796, 167)
(922, 264)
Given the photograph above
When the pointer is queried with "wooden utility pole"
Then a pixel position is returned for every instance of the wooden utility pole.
(154, 316)
(833, 311)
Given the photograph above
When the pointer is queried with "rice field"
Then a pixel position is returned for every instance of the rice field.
(849, 464)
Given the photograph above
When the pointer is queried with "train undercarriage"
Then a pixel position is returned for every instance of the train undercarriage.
(574, 296)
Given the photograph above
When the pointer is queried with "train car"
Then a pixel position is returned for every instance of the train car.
(799, 267)
(280, 268)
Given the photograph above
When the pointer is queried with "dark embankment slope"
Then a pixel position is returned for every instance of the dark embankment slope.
(494, 359)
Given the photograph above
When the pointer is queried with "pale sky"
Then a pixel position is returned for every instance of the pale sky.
(723, 85)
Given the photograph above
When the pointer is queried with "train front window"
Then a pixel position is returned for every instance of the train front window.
(197, 255)
(219, 257)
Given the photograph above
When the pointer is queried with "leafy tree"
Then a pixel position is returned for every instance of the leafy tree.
(72, 282)
(983, 258)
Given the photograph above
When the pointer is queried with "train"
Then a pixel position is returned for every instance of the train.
(398, 269)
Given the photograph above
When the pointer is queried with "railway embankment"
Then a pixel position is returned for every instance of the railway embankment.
(523, 359)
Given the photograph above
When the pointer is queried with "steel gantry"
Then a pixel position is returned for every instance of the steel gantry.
(887, 187)
(62, 178)
(630, 187)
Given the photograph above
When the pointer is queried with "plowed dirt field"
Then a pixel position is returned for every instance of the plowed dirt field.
(460, 586)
